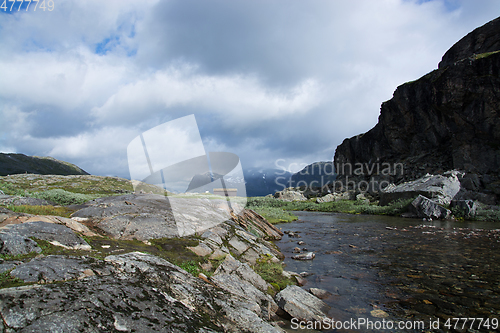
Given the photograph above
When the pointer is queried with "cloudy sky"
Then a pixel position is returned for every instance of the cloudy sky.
(266, 80)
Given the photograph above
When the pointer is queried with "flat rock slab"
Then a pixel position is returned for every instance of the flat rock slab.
(300, 304)
(150, 216)
(16, 237)
(53, 268)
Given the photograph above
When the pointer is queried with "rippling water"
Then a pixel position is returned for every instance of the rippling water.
(411, 269)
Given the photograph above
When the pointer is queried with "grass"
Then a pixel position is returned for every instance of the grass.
(272, 273)
(484, 55)
(41, 210)
(275, 215)
(8, 281)
(277, 208)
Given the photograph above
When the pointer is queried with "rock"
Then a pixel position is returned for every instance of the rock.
(238, 278)
(201, 250)
(300, 304)
(53, 268)
(441, 189)
(14, 244)
(304, 256)
(446, 120)
(362, 199)
(136, 292)
(55, 234)
(377, 313)
(426, 208)
(327, 198)
(319, 293)
(290, 195)
(467, 208)
(300, 280)
(296, 250)
(481, 40)
(301, 243)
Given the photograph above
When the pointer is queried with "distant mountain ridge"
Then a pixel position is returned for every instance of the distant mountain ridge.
(11, 164)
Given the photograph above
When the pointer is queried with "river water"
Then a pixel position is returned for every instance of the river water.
(414, 271)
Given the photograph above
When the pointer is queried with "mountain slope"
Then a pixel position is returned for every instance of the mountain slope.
(11, 164)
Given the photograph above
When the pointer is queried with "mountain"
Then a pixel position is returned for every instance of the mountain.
(261, 182)
(317, 174)
(447, 119)
(19, 163)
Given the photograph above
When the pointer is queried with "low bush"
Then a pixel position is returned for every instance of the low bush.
(63, 197)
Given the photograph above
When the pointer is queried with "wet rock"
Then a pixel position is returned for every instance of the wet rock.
(301, 243)
(304, 256)
(296, 250)
(426, 208)
(319, 293)
(300, 304)
(55, 234)
(377, 313)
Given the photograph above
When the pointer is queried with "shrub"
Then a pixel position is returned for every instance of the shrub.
(63, 197)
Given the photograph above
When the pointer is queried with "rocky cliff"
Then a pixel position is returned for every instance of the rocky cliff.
(11, 164)
(447, 119)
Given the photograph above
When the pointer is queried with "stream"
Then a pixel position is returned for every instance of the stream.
(414, 271)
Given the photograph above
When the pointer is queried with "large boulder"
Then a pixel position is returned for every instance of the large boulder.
(440, 188)
(302, 305)
(425, 208)
(290, 194)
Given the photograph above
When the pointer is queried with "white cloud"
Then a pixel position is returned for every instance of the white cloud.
(265, 79)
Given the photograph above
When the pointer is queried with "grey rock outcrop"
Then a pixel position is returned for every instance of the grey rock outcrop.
(440, 188)
(425, 208)
(55, 234)
(53, 268)
(130, 292)
(300, 304)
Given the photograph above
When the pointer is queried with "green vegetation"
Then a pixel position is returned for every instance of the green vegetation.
(275, 215)
(7, 281)
(41, 210)
(63, 197)
(272, 273)
(484, 55)
(279, 208)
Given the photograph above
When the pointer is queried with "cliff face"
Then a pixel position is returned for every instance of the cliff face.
(447, 119)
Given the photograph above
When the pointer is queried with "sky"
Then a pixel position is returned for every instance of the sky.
(274, 82)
